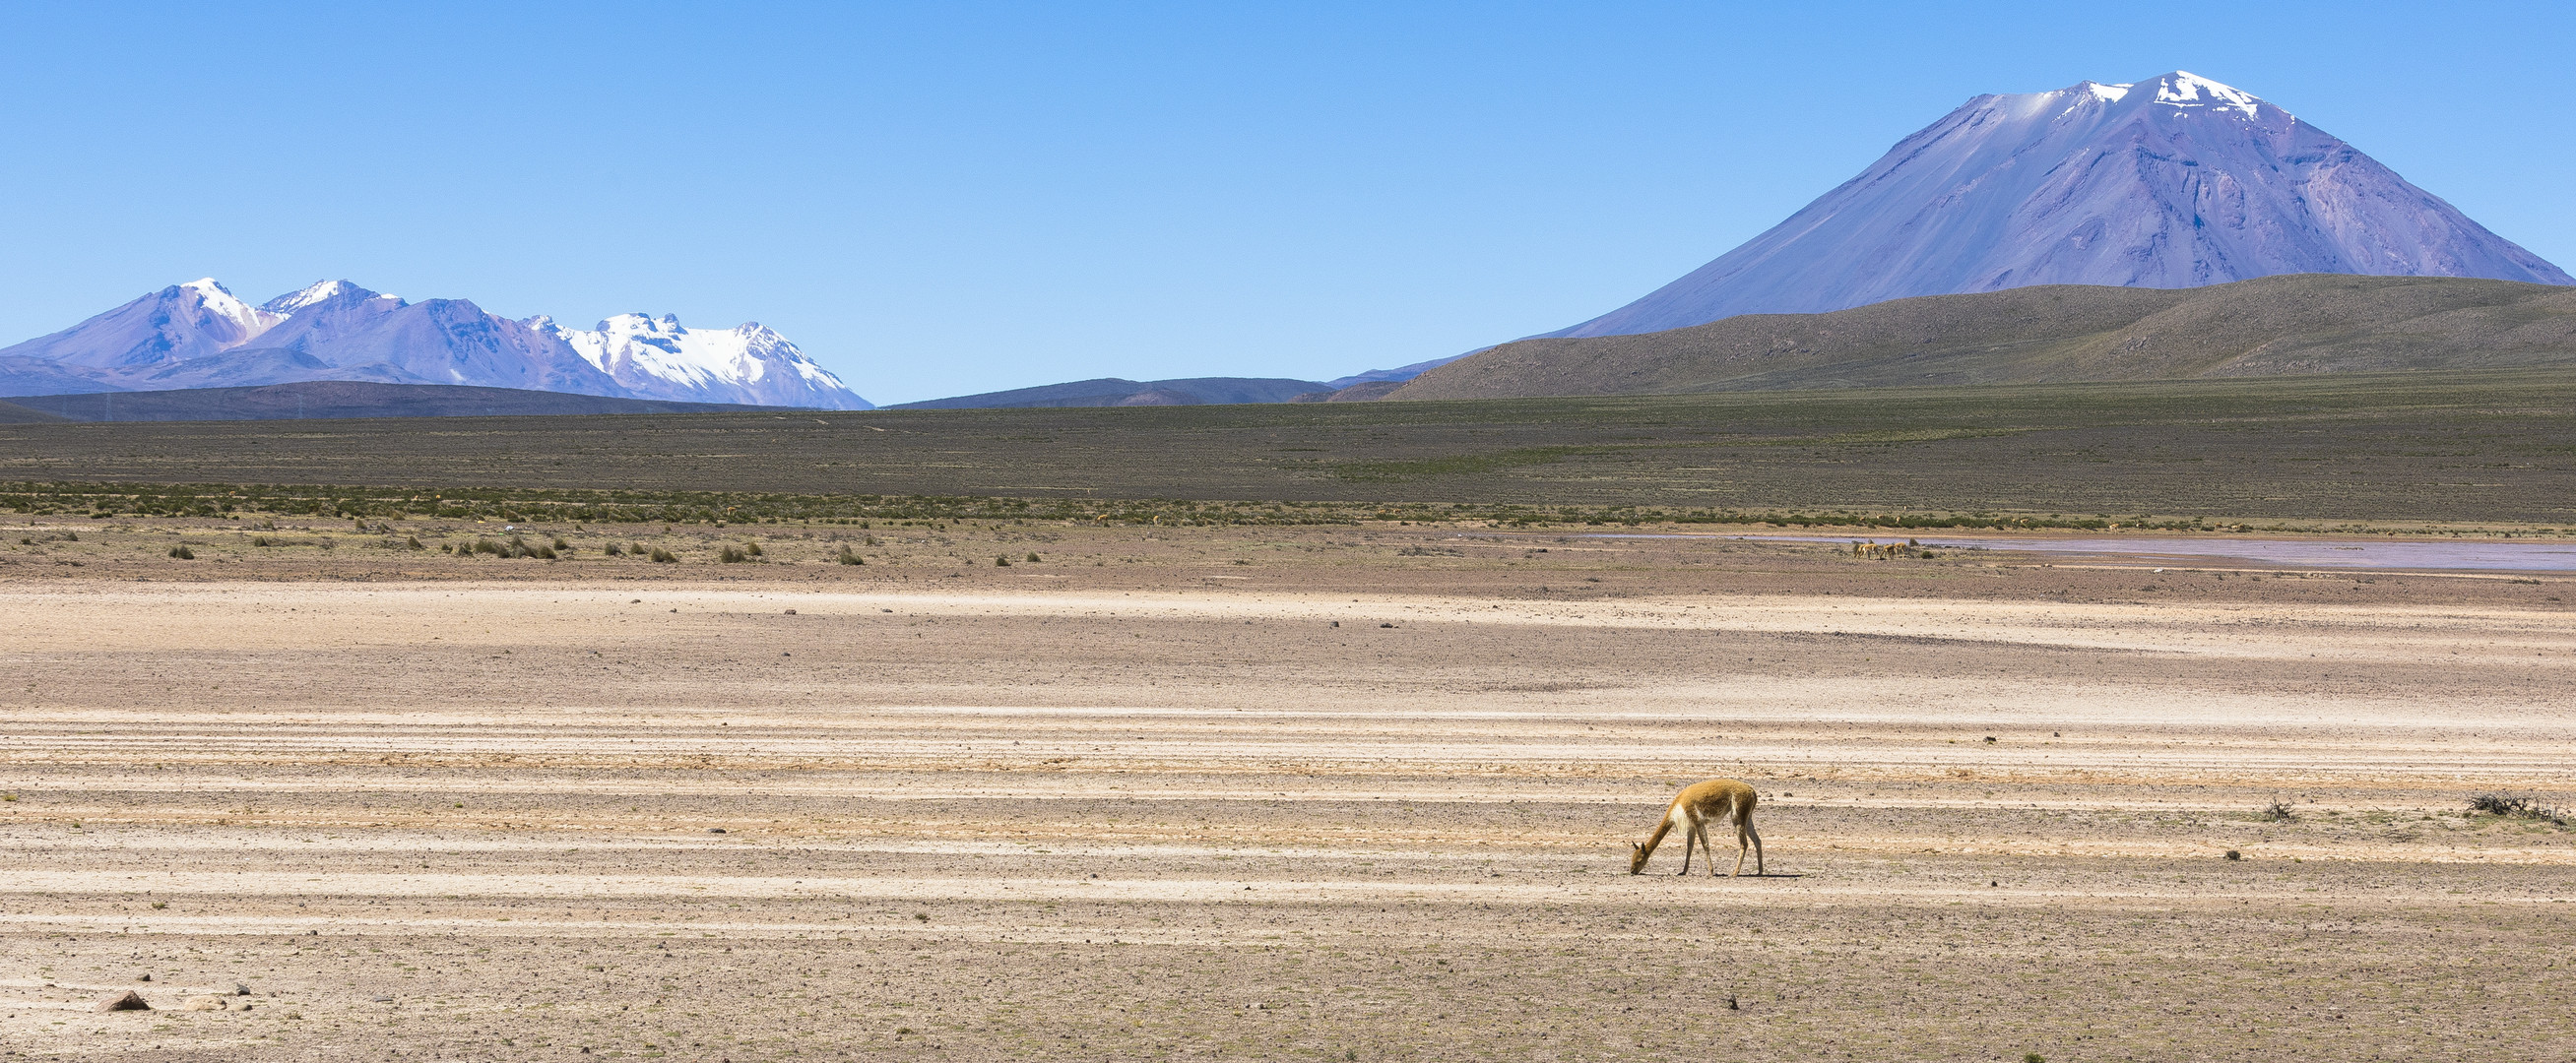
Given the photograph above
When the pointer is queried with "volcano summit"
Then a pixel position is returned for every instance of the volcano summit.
(2174, 182)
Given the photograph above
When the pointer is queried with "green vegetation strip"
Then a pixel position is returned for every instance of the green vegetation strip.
(102, 501)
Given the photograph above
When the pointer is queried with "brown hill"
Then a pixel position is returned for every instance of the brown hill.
(2273, 326)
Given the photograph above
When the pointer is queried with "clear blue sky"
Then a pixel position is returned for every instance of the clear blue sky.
(943, 198)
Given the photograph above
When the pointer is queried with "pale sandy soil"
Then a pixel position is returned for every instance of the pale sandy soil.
(1141, 801)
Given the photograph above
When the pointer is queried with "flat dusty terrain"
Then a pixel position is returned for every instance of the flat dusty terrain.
(1259, 793)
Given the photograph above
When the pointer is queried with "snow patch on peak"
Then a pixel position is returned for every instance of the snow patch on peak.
(2107, 93)
(221, 302)
(2183, 88)
(319, 292)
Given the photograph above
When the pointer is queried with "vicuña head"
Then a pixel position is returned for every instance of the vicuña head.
(1692, 809)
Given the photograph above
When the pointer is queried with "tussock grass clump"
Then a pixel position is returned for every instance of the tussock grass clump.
(561, 544)
(517, 547)
(262, 540)
(182, 552)
(850, 557)
(1033, 557)
(2508, 807)
(751, 548)
(413, 543)
(662, 556)
(1002, 562)
(614, 550)
(731, 554)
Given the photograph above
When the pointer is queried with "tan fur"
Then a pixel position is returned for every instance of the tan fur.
(1692, 809)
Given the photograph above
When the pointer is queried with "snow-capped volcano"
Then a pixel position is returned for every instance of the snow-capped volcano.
(199, 335)
(2174, 182)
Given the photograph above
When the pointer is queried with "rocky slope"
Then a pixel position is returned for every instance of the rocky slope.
(2274, 326)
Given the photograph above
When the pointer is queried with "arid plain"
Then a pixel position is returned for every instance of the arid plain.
(1347, 792)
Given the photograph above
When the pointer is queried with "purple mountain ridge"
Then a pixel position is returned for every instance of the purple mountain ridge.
(198, 335)
(2173, 182)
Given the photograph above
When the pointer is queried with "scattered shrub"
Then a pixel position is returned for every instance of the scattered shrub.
(615, 550)
(183, 553)
(664, 556)
(2234, 855)
(851, 557)
(1001, 562)
(731, 555)
(2517, 808)
(1033, 557)
(2279, 812)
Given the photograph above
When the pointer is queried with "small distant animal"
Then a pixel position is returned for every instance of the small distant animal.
(1693, 809)
(1877, 551)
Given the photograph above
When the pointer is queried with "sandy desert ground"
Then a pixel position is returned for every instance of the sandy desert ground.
(1263, 793)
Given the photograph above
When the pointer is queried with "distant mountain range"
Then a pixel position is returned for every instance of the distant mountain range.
(2173, 182)
(198, 335)
(321, 399)
(2294, 325)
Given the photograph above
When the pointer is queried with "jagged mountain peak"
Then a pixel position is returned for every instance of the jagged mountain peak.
(322, 292)
(219, 301)
(2175, 181)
